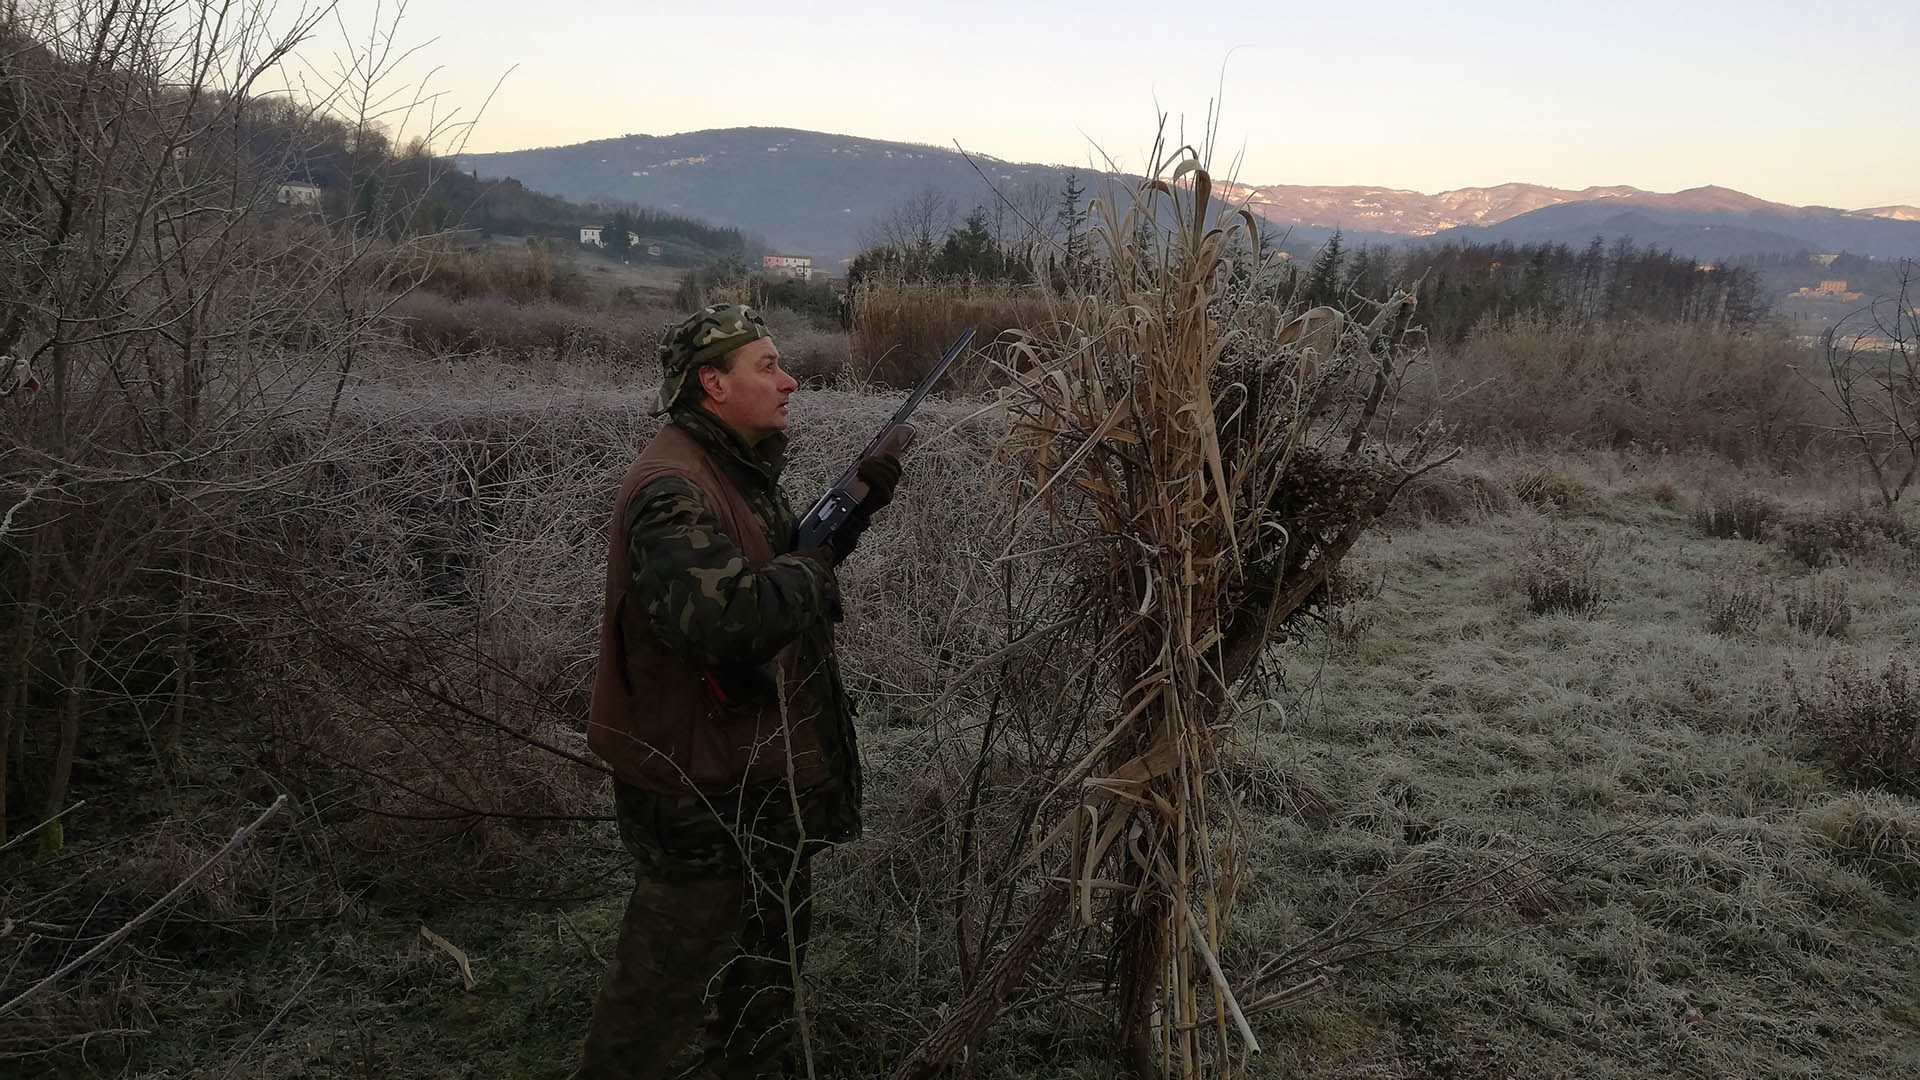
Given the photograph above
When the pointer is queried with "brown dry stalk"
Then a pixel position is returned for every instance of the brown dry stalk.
(1164, 425)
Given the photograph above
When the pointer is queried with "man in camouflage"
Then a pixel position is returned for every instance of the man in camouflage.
(718, 704)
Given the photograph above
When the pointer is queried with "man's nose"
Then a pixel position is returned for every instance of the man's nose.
(787, 383)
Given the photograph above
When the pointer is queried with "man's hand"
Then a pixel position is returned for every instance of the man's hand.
(881, 473)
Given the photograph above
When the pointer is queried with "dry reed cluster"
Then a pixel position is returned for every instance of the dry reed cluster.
(521, 273)
(1204, 463)
(901, 325)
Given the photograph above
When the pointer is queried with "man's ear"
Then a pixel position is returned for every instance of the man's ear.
(710, 381)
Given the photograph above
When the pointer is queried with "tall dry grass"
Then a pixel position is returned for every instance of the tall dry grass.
(537, 330)
(522, 273)
(1654, 385)
(901, 325)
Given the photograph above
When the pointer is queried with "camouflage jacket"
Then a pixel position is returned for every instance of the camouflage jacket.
(709, 607)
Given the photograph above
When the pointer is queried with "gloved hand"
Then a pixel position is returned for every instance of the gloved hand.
(840, 545)
(824, 555)
(881, 472)
(882, 475)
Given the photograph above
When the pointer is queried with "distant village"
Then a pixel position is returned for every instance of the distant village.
(1826, 290)
(793, 266)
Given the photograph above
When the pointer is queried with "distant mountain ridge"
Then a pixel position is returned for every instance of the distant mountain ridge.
(1401, 212)
(814, 193)
(1709, 223)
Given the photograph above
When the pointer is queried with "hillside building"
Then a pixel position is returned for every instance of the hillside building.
(795, 266)
(1828, 290)
(298, 193)
(592, 234)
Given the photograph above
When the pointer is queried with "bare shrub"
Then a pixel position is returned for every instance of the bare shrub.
(541, 330)
(1561, 571)
(431, 640)
(1550, 488)
(1739, 602)
(179, 304)
(1817, 537)
(1450, 495)
(1868, 721)
(807, 351)
(1736, 515)
(1540, 381)
(1872, 361)
(1880, 832)
(522, 273)
(1820, 605)
(1663, 490)
(1265, 784)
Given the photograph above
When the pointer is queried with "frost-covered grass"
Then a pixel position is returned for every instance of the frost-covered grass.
(1718, 917)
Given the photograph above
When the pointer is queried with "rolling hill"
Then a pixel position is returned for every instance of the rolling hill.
(818, 194)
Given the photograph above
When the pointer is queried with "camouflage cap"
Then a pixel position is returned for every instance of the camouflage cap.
(703, 338)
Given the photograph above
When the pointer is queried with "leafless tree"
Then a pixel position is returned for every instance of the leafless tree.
(1873, 381)
(179, 282)
(917, 224)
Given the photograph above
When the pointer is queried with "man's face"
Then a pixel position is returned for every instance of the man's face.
(750, 395)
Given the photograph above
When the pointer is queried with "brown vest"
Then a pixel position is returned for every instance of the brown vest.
(657, 720)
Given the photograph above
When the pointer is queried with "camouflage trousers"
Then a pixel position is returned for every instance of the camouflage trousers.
(712, 940)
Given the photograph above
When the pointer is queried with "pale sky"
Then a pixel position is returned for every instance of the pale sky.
(1803, 103)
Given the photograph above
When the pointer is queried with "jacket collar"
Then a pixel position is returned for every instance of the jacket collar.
(765, 460)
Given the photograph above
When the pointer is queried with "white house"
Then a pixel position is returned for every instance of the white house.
(591, 234)
(297, 193)
(797, 266)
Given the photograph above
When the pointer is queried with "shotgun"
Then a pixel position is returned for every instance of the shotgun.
(845, 496)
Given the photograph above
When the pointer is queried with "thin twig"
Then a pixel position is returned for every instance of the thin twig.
(239, 837)
(9, 844)
(585, 942)
(298, 992)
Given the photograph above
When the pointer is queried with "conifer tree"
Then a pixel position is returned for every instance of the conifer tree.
(1072, 218)
(1324, 280)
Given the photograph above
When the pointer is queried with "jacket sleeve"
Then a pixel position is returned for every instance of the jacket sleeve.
(705, 603)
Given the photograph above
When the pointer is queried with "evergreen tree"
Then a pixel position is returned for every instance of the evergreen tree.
(1359, 279)
(970, 250)
(613, 235)
(1072, 219)
(1325, 283)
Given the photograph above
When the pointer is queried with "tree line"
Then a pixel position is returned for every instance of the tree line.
(656, 225)
(1458, 285)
